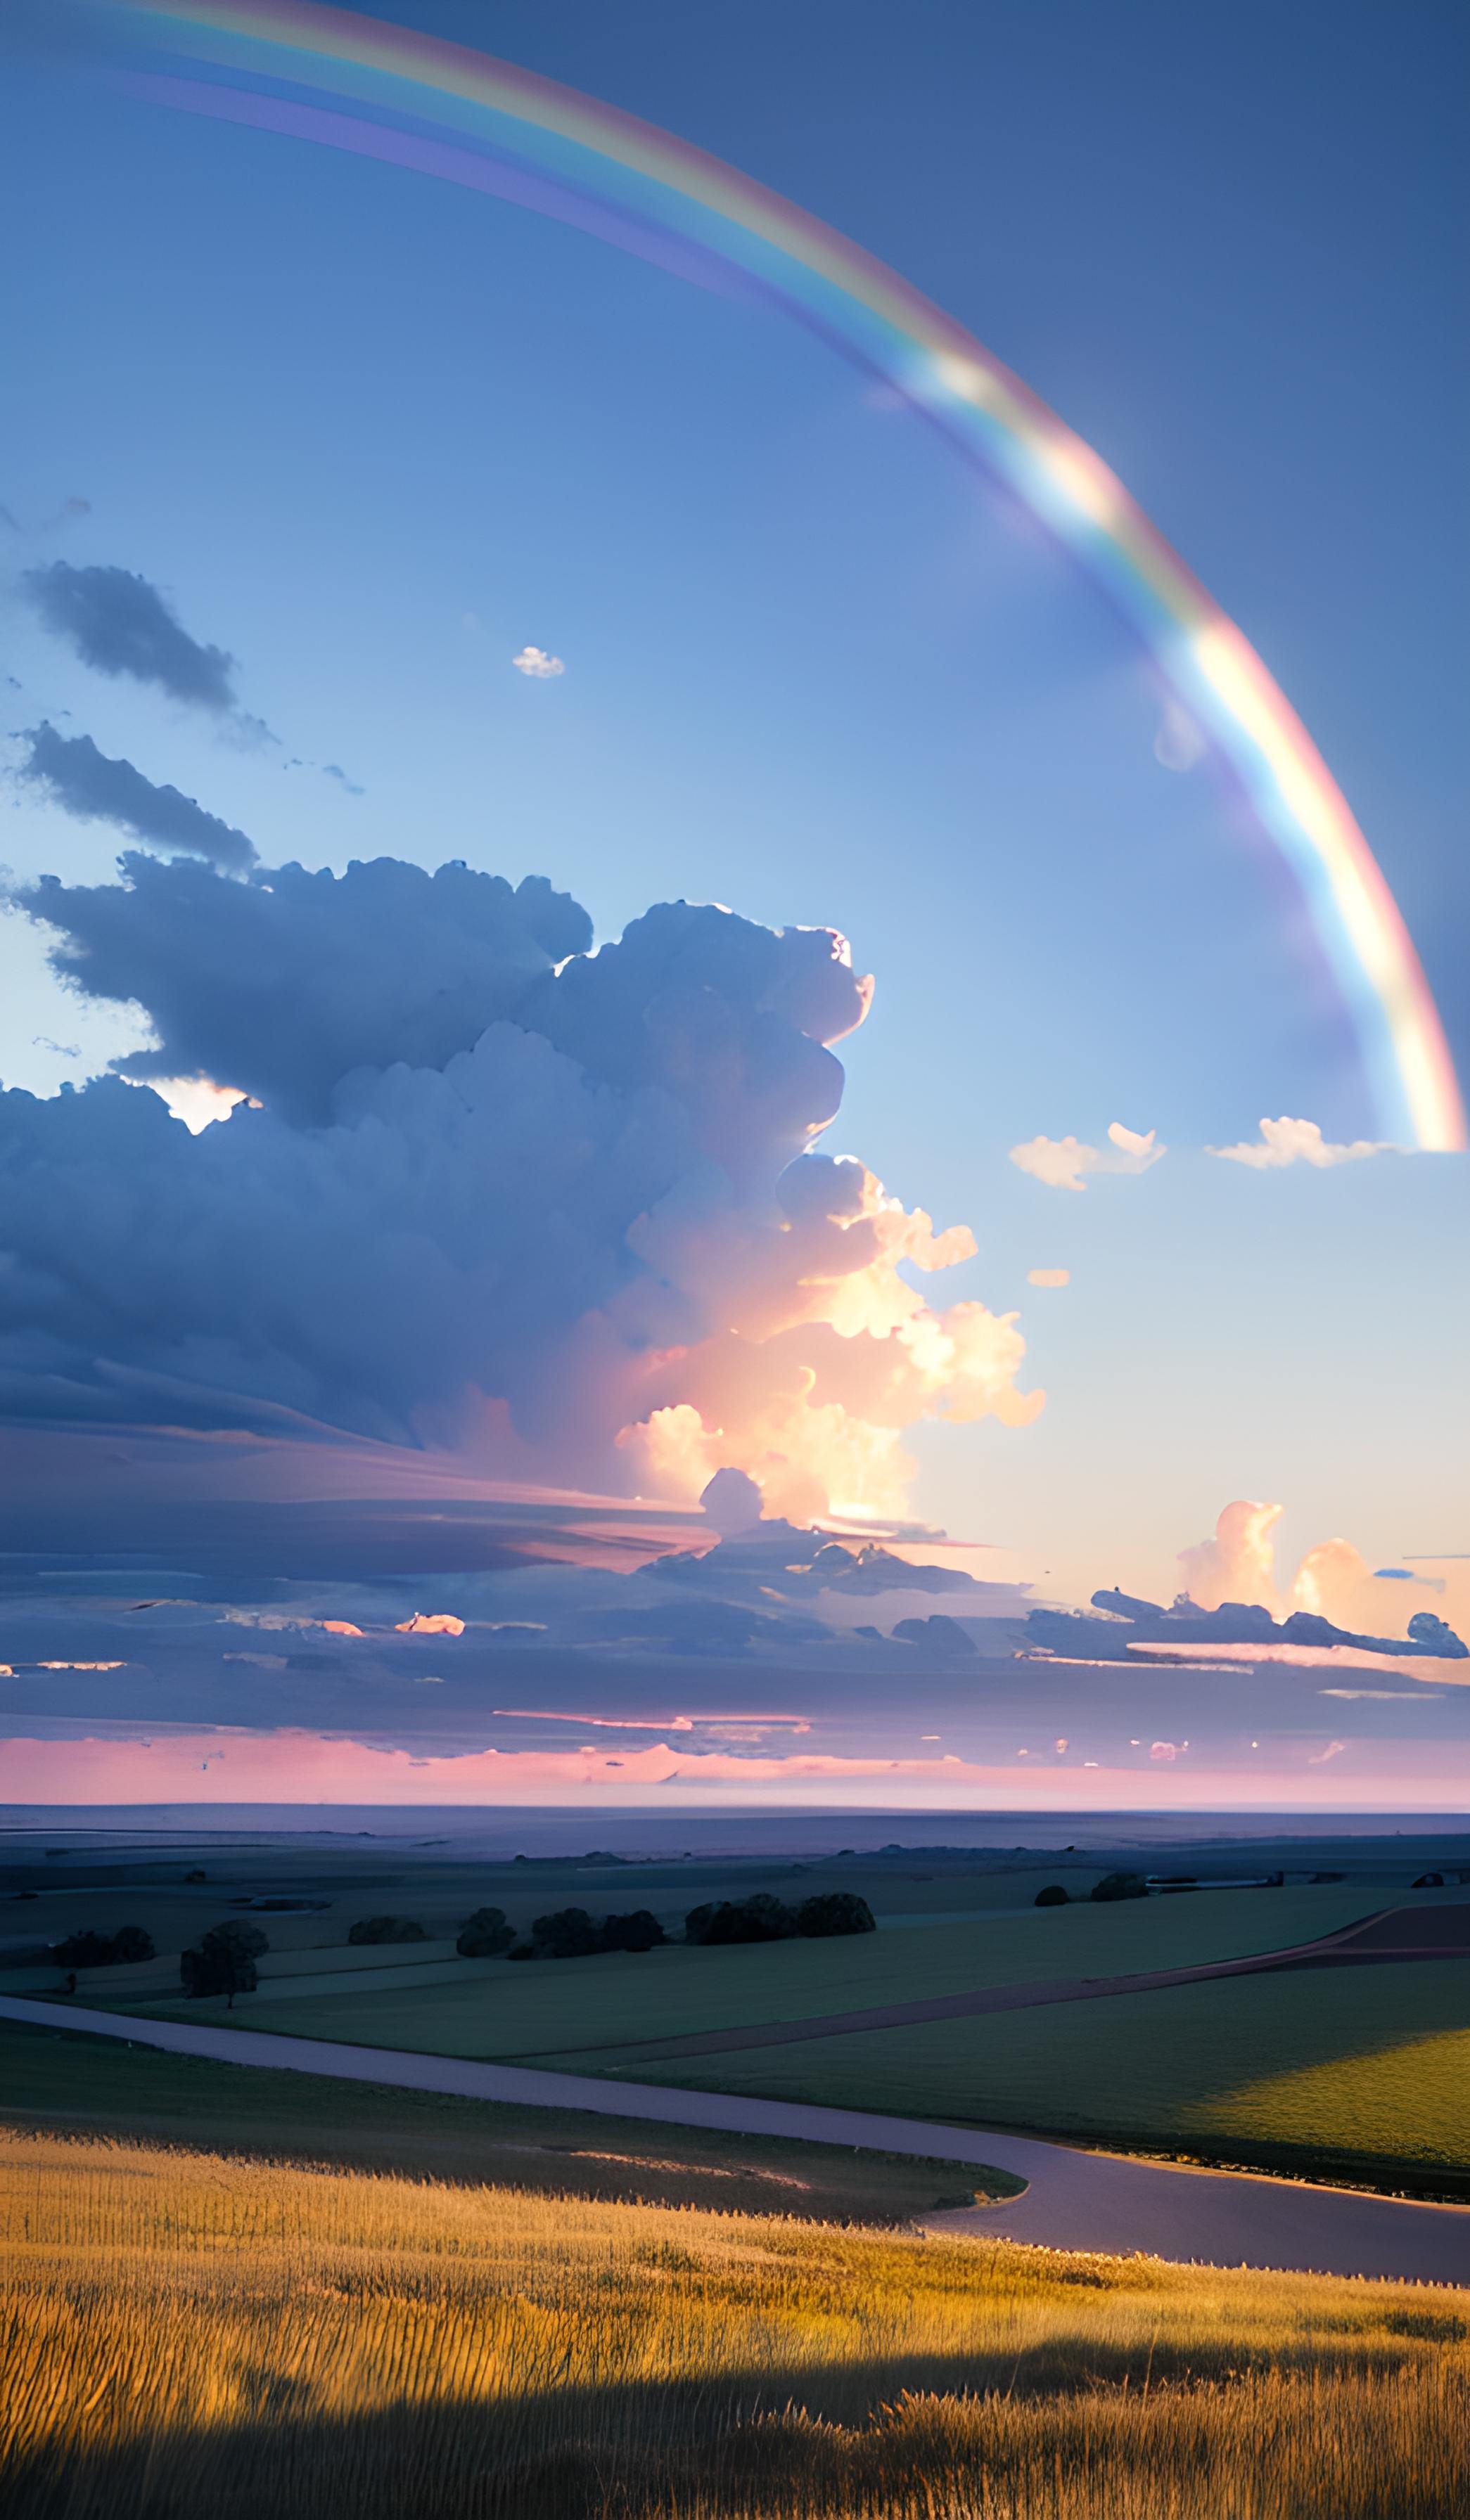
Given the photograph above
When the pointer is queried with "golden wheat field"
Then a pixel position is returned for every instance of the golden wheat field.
(186, 2334)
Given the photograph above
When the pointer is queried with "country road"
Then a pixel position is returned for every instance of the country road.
(1073, 2199)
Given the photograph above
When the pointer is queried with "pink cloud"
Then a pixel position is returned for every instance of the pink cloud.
(429, 1623)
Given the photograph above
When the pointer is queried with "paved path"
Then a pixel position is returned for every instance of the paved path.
(1074, 2200)
(1388, 1935)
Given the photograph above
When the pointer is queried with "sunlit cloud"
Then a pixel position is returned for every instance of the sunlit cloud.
(537, 664)
(1062, 1162)
(1333, 1750)
(1237, 1564)
(430, 1623)
(1286, 1141)
(1048, 1276)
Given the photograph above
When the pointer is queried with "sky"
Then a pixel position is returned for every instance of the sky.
(364, 440)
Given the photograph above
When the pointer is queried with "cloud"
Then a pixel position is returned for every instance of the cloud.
(334, 770)
(556, 1210)
(1048, 1276)
(430, 1623)
(1236, 1565)
(536, 662)
(92, 787)
(1061, 1163)
(280, 988)
(117, 623)
(1297, 1141)
(1320, 1758)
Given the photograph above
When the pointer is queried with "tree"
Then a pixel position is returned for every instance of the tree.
(759, 1918)
(639, 1932)
(90, 1950)
(225, 1961)
(484, 1934)
(835, 1911)
(1053, 1896)
(1120, 1885)
(569, 1934)
(386, 1929)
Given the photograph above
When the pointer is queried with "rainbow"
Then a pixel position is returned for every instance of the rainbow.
(384, 91)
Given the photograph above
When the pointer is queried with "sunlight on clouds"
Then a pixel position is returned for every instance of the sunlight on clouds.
(1236, 1565)
(1297, 1141)
(1061, 1163)
(1048, 1276)
(536, 662)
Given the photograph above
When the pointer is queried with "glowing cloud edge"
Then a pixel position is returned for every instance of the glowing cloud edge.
(580, 160)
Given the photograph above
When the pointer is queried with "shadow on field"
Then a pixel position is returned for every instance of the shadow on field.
(879, 2441)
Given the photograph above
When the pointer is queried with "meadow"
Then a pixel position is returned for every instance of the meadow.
(63, 2081)
(1355, 2071)
(185, 2334)
(568, 2009)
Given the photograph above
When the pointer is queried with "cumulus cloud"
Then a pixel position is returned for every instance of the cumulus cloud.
(1062, 1162)
(117, 623)
(536, 662)
(1237, 1564)
(1048, 1276)
(280, 988)
(557, 1209)
(92, 787)
(1297, 1141)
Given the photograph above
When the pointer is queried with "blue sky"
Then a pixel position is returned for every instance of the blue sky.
(373, 437)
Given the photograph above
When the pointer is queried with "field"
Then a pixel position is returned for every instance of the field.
(568, 2009)
(187, 2335)
(1351, 2072)
(64, 2082)
(1361, 2071)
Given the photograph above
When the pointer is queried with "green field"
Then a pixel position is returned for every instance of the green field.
(64, 2082)
(1363, 2069)
(563, 2009)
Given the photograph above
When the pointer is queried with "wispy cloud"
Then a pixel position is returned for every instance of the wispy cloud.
(1062, 1162)
(117, 623)
(92, 787)
(536, 662)
(1048, 1276)
(1297, 1141)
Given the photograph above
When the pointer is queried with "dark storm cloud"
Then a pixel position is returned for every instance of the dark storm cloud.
(117, 623)
(95, 789)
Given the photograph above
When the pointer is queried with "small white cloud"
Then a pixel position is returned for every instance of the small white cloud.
(1320, 1758)
(1180, 742)
(1048, 1276)
(1164, 1750)
(536, 662)
(1297, 1141)
(1061, 1163)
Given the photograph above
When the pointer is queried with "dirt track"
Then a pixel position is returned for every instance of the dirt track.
(1073, 2199)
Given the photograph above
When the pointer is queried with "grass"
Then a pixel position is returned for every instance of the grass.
(66, 2081)
(552, 2007)
(1348, 2071)
(192, 2335)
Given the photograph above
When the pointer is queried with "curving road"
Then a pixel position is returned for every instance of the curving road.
(1073, 2199)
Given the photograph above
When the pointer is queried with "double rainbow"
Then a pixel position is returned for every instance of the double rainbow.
(384, 91)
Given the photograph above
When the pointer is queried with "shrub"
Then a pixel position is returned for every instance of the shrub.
(484, 1934)
(225, 1961)
(1053, 1896)
(639, 1932)
(132, 1943)
(835, 1911)
(759, 1918)
(569, 1934)
(1120, 1885)
(385, 1929)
